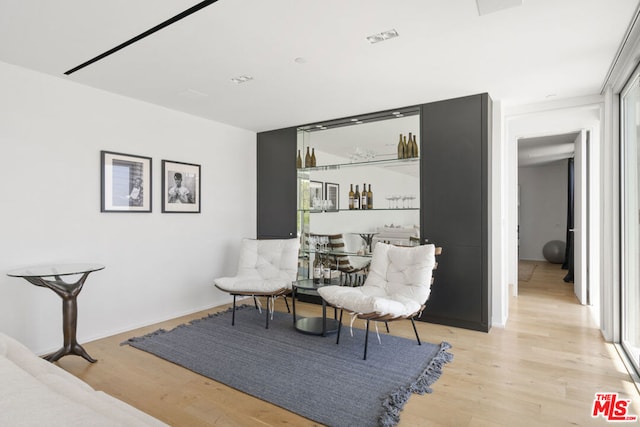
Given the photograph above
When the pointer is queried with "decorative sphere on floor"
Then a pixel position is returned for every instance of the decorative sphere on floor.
(553, 251)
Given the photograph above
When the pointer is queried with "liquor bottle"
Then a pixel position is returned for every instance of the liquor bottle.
(307, 159)
(363, 202)
(409, 153)
(326, 272)
(415, 147)
(317, 268)
(299, 161)
(351, 196)
(313, 157)
(369, 198)
(356, 199)
(400, 148)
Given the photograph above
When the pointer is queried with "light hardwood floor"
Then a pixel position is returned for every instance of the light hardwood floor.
(543, 368)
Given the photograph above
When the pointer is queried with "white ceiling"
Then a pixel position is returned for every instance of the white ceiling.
(445, 49)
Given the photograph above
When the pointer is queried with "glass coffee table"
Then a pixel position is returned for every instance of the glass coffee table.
(314, 325)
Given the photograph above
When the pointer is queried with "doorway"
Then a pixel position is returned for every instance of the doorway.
(554, 204)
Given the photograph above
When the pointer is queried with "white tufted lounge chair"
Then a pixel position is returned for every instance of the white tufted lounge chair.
(397, 287)
(265, 268)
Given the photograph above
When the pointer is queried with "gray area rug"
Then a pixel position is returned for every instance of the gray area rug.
(306, 374)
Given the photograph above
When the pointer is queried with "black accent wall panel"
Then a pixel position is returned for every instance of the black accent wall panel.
(455, 137)
(277, 184)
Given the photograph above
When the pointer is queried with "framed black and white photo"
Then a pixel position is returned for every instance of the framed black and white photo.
(125, 182)
(315, 196)
(332, 196)
(180, 187)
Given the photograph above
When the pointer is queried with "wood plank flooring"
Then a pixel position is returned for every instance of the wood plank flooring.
(542, 369)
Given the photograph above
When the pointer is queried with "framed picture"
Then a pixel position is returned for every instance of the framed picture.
(125, 182)
(180, 187)
(315, 196)
(332, 195)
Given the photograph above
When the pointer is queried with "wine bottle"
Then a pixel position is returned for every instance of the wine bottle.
(400, 148)
(356, 199)
(409, 153)
(415, 147)
(299, 161)
(317, 269)
(307, 159)
(313, 157)
(351, 196)
(363, 202)
(326, 272)
(406, 148)
(369, 198)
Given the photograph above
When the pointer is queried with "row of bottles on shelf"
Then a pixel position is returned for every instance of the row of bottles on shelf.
(407, 147)
(362, 200)
(309, 159)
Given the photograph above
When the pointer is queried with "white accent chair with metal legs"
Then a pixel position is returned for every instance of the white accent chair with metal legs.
(265, 268)
(397, 287)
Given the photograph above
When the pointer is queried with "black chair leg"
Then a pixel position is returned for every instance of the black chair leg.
(339, 327)
(255, 302)
(267, 310)
(387, 325)
(366, 340)
(233, 312)
(287, 303)
(415, 330)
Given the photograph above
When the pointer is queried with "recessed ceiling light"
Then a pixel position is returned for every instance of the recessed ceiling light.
(241, 79)
(385, 35)
(358, 122)
(300, 60)
(354, 120)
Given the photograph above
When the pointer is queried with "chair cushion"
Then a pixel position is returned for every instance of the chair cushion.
(264, 266)
(364, 300)
(247, 284)
(398, 284)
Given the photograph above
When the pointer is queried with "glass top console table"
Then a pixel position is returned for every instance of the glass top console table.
(51, 276)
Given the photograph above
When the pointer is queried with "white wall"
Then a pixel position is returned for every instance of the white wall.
(158, 266)
(543, 207)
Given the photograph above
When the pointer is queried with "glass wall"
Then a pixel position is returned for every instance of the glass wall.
(630, 196)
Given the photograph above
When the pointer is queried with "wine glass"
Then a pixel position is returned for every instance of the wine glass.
(395, 198)
(411, 198)
(325, 242)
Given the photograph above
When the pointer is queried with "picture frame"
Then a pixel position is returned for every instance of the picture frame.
(180, 187)
(316, 196)
(125, 182)
(332, 196)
